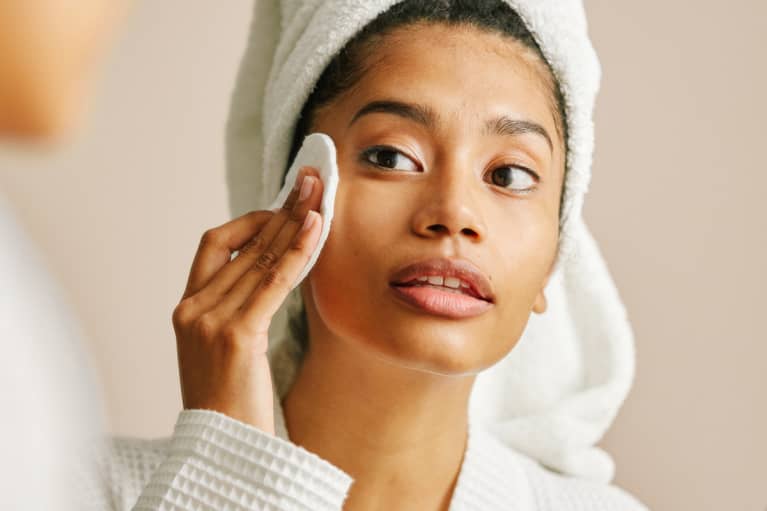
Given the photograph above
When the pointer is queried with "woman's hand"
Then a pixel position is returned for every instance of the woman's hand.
(222, 321)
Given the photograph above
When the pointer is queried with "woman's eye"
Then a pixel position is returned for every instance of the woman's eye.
(514, 178)
(389, 157)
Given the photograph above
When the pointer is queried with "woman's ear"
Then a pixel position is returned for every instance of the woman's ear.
(540, 304)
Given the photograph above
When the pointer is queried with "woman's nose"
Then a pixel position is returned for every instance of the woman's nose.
(450, 205)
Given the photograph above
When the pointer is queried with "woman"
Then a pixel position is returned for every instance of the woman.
(455, 205)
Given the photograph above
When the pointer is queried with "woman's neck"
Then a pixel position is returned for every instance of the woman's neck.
(400, 433)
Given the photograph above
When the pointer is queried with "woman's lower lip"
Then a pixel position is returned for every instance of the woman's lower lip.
(434, 300)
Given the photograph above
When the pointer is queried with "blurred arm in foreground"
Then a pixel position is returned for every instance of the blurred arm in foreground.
(52, 412)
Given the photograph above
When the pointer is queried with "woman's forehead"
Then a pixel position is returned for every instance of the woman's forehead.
(446, 86)
(418, 42)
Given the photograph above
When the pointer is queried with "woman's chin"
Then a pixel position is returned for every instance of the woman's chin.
(446, 351)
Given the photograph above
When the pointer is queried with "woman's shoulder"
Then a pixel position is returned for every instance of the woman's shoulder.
(551, 490)
(554, 490)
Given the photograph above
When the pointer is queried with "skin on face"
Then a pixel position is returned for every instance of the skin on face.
(439, 199)
(48, 52)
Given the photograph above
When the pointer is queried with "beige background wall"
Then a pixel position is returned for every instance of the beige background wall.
(677, 204)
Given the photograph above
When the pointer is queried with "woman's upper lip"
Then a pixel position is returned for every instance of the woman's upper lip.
(447, 267)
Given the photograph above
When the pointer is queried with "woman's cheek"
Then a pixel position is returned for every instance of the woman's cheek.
(529, 268)
(338, 278)
(352, 267)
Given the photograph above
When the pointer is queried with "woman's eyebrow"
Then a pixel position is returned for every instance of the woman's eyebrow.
(425, 115)
(509, 126)
(422, 114)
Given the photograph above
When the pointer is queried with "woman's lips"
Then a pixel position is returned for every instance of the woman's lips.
(441, 301)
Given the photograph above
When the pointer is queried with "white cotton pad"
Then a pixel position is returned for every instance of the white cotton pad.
(318, 151)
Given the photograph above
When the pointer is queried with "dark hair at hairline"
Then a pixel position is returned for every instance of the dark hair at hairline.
(349, 65)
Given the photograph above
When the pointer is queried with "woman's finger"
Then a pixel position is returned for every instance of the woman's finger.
(242, 289)
(256, 312)
(217, 244)
(216, 286)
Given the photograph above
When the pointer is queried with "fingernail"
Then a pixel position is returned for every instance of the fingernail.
(309, 221)
(306, 188)
(299, 179)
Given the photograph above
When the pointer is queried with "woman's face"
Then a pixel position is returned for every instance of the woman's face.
(454, 186)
